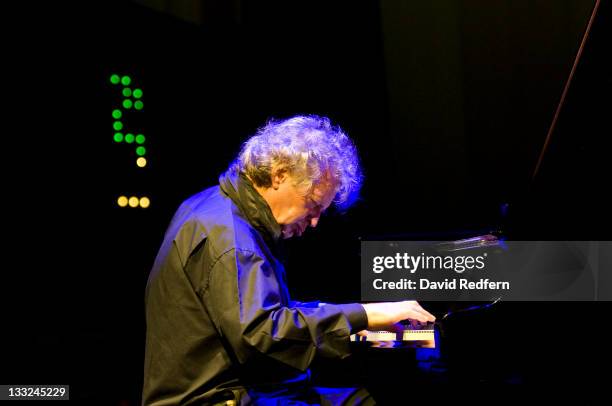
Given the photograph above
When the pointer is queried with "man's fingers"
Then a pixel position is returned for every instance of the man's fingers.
(419, 316)
(428, 316)
(396, 328)
(425, 313)
(418, 313)
(381, 315)
(415, 324)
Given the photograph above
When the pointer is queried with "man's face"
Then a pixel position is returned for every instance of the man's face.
(296, 212)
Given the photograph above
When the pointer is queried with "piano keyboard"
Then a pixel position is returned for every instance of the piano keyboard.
(406, 335)
(424, 337)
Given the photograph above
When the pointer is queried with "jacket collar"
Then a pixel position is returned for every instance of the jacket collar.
(252, 205)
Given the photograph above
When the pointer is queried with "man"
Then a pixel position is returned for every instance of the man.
(220, 323)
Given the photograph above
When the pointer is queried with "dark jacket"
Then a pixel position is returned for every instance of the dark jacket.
(220, 322)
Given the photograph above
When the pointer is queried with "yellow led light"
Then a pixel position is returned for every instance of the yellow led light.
(122, 201)
(133, 202)
(141, 162)
(144, 202)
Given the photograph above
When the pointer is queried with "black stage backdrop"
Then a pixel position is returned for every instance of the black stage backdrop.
(449, 104)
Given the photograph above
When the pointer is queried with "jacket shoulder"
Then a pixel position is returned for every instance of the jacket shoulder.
(211, 215)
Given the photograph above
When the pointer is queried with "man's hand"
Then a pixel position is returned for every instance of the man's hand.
(386, 314)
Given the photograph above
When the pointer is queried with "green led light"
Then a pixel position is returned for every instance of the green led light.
(127, 104)
(137, 93)
(117, 114)
(117, 125)
(127, 92)
(115, 79)
(141, 151)
(138, 105)
(118, 137)
(126, 80)
(140, 139)
(129, 138)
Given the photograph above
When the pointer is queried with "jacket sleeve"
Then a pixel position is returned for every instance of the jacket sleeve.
(245, 302)
(295, 303)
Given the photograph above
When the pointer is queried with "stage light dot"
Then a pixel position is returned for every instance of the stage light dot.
(126, 80)
(122, 201)
(137, 93)
(127, 92)
(115, 79)
(133, 202)
(118, 137)
(138, 105)
(129, 138)
(140, 151)
(145, 202)
(117, 125)
(140, 139)
(127, 104)
(141, 162)
(116, 114)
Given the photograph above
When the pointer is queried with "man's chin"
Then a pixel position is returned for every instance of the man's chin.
(290, 232)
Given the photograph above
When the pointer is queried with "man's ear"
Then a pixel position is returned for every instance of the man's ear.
(278, 177)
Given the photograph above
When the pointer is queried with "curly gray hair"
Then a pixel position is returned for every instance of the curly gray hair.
(310, 150)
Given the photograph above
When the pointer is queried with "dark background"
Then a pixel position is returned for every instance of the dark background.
(448, 103)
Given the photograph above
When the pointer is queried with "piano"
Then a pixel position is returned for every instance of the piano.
(519, 342)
